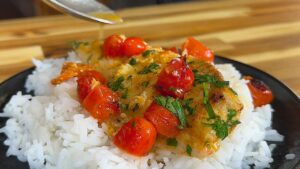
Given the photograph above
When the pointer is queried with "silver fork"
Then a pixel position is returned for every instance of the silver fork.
(86, 9)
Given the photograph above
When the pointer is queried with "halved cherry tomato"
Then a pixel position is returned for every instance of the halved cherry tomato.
(84, 87)
(133, 46)
(260, 92)
(136, 137)
(94, 74)
(198, 50)
(101, 103)
(86, 81)
(175, 79)
(173, 49)
(112, 46)
(165, 122)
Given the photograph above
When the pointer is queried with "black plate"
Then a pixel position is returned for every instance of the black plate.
(286, 118)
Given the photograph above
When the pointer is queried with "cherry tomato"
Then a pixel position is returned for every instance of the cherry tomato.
(175, 79)
(101, 103)
(136, 137)
(86, 80)
(94, 74)
(198, 50)
(260, 92)
(173, 49)
(112, 46)
(165, 122)
(84, 87)
(133, 46)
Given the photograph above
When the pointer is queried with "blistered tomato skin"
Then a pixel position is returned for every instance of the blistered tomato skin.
(85, 82)
(94, 74)
(195, 48)
(136, 137)
(84, 87)
(112, 46)
(165, 122)
(175, 79)
(260, 92)
(101, 103)
(133, 46)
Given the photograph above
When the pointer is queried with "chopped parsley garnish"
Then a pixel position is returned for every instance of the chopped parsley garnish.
(231, 114)
(145, 83)
(76, 44)
(132, 61)
(221, 83)
(116, 85)
(221, 128)
(173, 106)
(199, 79)
(124, 106)
(186, 105)
(233, 91)
(148, 52)
(172, 142)
(149, 69)
(210, 111)
(133, 124)
(135, 107)
(189, 150)
(125, 94)
(205, 92)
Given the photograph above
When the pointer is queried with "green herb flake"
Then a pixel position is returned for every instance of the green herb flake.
(124, 107)
(145, 83)
(173, 106)
(205, 93)
(195, 71)
(132, 61)
(186, 105)
(189, 150)
(125, 94)
(233, 91)
(221, 83)
(148, 52)
(135, 107)
(149, 69)
(172, 142)
(221, 128)
(231, 114)
(210, 111)
(233, 123)
(199, 79)
(76, 44)
(116, 85)
(133, 124)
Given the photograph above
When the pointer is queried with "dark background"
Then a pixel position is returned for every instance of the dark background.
(25, 8)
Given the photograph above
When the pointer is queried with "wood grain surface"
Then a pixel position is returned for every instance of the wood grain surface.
(262, 33)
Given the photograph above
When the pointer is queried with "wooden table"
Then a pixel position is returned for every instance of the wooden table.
(262, 33)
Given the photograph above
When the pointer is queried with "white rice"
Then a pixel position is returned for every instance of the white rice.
(51, 130)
